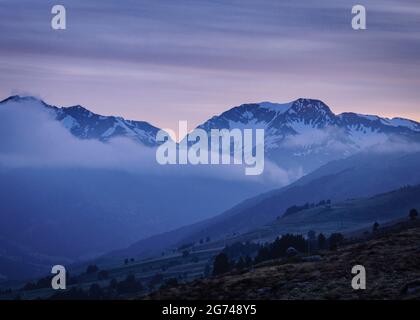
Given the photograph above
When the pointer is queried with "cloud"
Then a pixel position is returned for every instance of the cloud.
(331, 138)
(337, 140)
(31, 137)
(395, 144)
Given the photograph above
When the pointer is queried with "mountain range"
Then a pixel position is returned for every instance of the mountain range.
(300, 136)
(305, 128)
(305, 133)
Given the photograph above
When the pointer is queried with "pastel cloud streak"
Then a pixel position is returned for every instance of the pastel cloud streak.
(164, 61)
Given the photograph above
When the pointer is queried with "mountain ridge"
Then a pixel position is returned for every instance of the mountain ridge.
(300, 136)
(311, 111)
(85, 124)
(303, 135)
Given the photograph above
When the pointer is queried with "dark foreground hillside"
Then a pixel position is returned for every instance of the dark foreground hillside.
(391, 259)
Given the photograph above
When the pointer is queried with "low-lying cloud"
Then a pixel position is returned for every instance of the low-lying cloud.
(335, 139)
(31, 137)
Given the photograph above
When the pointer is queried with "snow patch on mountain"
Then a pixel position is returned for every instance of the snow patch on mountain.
(276, 107)
(400, 122)
(69, 122)
(368, 117)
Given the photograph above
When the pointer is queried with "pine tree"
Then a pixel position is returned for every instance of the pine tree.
(413, 214)
(322, 241)
(221, 264)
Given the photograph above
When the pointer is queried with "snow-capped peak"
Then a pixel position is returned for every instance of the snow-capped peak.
(310, 106)
(276, 107)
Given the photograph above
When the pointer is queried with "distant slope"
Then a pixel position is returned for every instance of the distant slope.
(355, 213)
(359, 176)
(343, 216)
(18, 262)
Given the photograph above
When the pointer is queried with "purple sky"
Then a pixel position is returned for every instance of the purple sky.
(164, 61)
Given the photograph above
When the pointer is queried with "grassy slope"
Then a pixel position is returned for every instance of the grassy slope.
(344, 216)
(391, 259)
(362, 175)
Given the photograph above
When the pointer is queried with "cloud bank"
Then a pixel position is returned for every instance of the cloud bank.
(31, 137)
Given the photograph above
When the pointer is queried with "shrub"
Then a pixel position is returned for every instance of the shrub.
(92, 269)
(335, 240)
(102, 275)
(155, 280)
(95, 292)
(129, 285)
(171, 282)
